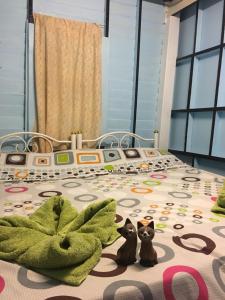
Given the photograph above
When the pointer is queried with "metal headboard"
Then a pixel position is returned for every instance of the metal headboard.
(119, 139)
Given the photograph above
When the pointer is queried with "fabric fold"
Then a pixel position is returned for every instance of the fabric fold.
(219, 206)
(68, 78)
(57, 241)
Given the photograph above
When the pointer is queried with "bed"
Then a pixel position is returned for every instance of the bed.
(147, 184)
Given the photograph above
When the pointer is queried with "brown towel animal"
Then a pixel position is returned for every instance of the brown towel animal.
(148, 255)
(126, 254)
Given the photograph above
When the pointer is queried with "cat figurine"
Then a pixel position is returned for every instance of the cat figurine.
(148, 255)
(126, 254)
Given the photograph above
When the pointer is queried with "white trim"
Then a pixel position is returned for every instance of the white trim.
(170, 68)
(173, 9)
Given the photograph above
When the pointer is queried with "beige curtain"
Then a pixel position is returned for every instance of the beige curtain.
(67, 77)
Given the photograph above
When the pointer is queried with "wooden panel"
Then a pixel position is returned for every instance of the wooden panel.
(84, 10)
(152, 42)
(10, 99)
(119, 71)
(12, 50)
(179, 6)
(8, 122)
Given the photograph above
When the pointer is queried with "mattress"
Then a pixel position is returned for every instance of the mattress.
(189, 239)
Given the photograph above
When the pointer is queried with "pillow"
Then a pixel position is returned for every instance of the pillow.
(83, 163)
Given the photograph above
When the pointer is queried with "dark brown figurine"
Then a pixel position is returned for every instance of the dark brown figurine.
(126, 254)
(148, 255)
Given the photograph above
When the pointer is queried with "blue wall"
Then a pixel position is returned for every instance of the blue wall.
(119, 61)
(12, 51)
(120, 67)
(203, 86)
(152, 43)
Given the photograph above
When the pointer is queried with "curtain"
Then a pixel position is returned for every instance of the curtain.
(67, 77)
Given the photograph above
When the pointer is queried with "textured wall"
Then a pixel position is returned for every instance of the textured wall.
(12, 52)
(119, 61)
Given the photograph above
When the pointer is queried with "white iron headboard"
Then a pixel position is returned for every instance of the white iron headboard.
(119, 139)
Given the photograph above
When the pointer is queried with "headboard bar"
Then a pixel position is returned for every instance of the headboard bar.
(76, 141)
(26, 142)
(124, 134)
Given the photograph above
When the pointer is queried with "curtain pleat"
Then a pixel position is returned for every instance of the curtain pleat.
(67, 77)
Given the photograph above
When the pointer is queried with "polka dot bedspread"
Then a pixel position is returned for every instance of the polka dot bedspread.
(189, 239)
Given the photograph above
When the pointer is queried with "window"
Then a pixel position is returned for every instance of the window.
(198, 112)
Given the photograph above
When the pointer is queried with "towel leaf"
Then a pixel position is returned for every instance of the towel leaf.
(58, 241)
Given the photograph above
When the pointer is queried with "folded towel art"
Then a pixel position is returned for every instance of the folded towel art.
(57, 241)
(219, 206)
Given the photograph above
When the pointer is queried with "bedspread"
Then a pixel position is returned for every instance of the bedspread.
(189, 239)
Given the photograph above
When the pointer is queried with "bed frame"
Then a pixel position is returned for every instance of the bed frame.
(28, 139)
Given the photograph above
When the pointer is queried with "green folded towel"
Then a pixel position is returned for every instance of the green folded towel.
(219, 206)
(57, 241)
